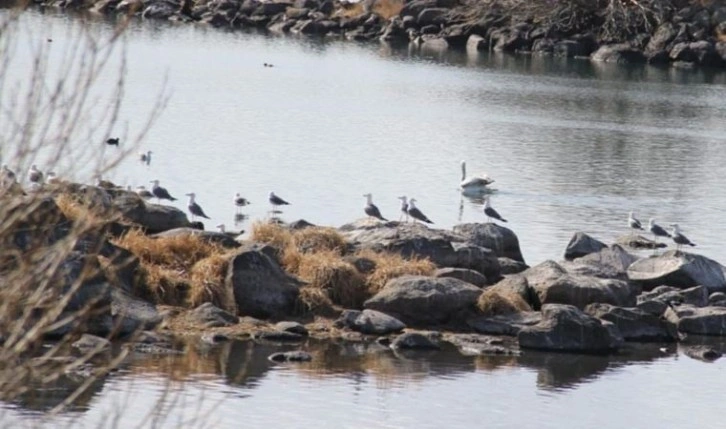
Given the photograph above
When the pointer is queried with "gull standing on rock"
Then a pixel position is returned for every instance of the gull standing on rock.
(490, 212)
(633, 222)
(276, 201)
(657, 230)
(35, 175)
(160, 193)
(679, 238)
(194, 208)
(371, 209)
(404, 208)
(477, 182)
(416, 213)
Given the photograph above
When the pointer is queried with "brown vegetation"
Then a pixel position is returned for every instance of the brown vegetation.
(493, 303)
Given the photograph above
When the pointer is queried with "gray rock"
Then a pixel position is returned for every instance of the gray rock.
(414, 341)
(261, 288)
(224, 240)
(553, 284)
(717, 297)
(678, 269)
(662, 37)
(621, 53)
(510, 266)
(415, 7)
(369, 322)
(566, 328)
(635, 241)
(278, 336)
(469, 276)
(131, 315)
(294, 327)
(582, 244)
(478, 345)
(88, 343)
(271, 8)
(153, 218)
(698, 320)
(419, 300)
(610, 262)
(504, 324)
(635, 324)
(210, 316)
(654, 307)
(702, 353)
(517, 285)
(295, 356)
(696, 296)
(432, 15)
(501, 240)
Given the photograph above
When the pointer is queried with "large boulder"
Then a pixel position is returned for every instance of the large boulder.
(261, 288)
(566, 328)
(501, 240)
(608, 263)
(696, 296)
(582, 244)
(153, 218)
(369, 322)
(698, 320)
(554, 284)
(678, 269)
(130, 314)
(635, 324)
(467, 275)
(419, 300)
(209, 315)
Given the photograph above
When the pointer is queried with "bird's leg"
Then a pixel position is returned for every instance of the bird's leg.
(400, 217)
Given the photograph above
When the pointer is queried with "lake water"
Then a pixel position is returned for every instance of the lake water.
(572, 146)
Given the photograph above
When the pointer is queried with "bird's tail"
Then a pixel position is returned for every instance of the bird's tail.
(172, 199)
(692, 244)
(503, 220)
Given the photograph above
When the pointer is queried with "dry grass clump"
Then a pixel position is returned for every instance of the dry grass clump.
(392, 265)
(387, 9)
(313, 300)
(343, 284)
(493, 303)
(163, 286)
(319, 239)
(180, 252)
(207, 283)
(75, 211)
(272, 234)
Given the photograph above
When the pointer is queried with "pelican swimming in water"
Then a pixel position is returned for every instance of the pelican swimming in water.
(657, 230)
(490, 212)
(477, 182)
(415, 213)
(404, 208)
(160, 193)
(679, 238)
(194, 208)
(35, 175)
(371, 209)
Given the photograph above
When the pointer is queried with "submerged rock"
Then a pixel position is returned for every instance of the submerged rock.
(294, 356)
(369, 322)
(566, 328)
(679, 269)
(278, 336)
(703, 353)
(210, 316)
(504, 324)
(414, 341)
(698, 320)
(420, 300)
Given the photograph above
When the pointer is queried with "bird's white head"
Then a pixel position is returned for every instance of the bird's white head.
(631, 214)
(651, 222)
(486, 202)
(676, 228)
(191, 195)
(221, 227)
(236, 195)
(412, 201)
(403, 198)
(34, 167)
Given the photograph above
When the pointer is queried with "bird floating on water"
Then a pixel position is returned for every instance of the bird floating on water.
(35, 175)
(144, 193)
(490, 212)
(415, 213)
(679, 238)
(112, 142)
(276, 201)
(160, 193)
(633, 222)
(475, 183)
(404, 208)
(657, 230)
(371, 209)
(194, 208)
(145, 157)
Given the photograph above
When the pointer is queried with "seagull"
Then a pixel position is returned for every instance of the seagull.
(8, 176)
(657, 230)
(144, 193)
(277, 201)
(633, 222)
(404, 208)
(145, 157)
(51, 178)
(239, 201)
(371, 209)
(679, 238)
(112, 142)
(474, 183)
(35, 175)
(160, 193)
(415, 212)
(490, 212)
(194, 208)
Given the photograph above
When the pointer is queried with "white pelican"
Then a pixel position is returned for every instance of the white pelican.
(477, 182)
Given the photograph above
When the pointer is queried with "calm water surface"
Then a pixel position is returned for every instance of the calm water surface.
(573, 147)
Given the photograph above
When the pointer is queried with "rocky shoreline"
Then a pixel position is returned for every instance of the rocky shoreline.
(682, 33)
(143, 271)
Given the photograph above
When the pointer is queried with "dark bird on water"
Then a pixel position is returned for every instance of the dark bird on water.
(415, 212)
(112, 142)
(404, 208)
(371, 209)
(680, 239)
(160, 193)
(490, 212)
(656, 229)
(145, 157)
(239, 201)
(194, 208)
(277, 201)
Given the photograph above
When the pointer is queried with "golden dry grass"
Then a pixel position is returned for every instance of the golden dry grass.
(180, 252)
(493, 303)
(313, 300)
(392, 265)
(350, 10)
(272, 234)
(76, 212)
(326, 271)
(387, 9)
(207, 283)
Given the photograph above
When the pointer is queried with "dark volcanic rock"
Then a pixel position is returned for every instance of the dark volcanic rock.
(414, 341)
(369, 322)
(696, 296)
(469, 276)
(565, 328)
(295, 356)
(698, 321)
(504, 324)
(501, 240)
(510, 266)
(678, 269)
(635, 324)
(422, 300)
(582, 244)
(211, 316)
(152, 217)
